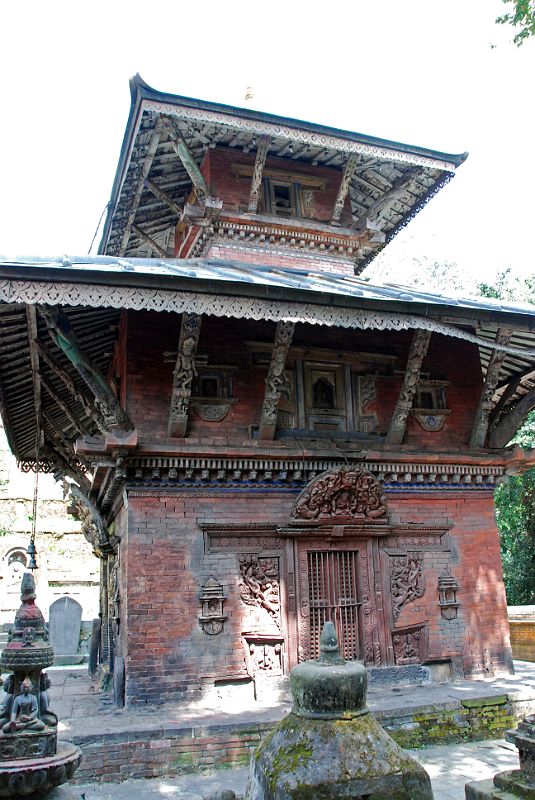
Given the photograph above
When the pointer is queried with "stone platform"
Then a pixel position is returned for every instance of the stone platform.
(169, 741)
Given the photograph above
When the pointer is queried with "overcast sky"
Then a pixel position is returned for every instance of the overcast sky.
(435, 74)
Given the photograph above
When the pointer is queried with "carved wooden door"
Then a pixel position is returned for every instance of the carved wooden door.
(333, 583)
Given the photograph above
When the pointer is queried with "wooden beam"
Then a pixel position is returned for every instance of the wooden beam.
(418, 349)
(343, 189)
(77, 425)
(163, 196)
(184, 373)
(275, 379)
(258, 171)
(182, 151)
(150, 241)
(59, 328)
(481, 419)
(145, 169)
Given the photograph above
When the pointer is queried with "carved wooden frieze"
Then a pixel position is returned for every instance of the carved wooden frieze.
(349, 494)
(259, 584)
(406, 581)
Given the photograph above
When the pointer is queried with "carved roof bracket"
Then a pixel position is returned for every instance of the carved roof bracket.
(343, 189)
(275, 379)
(93, 526)
(182, 151)
(481, 420)
(64, 338)
(184, 374)
(418, 349)
(258, 171)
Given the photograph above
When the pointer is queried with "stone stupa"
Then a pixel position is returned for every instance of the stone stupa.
(32, 760)
(330, 746)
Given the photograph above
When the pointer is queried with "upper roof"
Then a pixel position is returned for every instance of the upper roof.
(147, 154)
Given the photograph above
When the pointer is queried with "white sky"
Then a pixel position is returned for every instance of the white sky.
(416, 71)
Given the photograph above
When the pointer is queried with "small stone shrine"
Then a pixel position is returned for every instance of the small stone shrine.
(330, 746)
(512, 783)
(31, 758)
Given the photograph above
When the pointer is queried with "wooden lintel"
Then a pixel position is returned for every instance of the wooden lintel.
(163, 196)
(256, 179)
(145, 169)
(184, 373)
(343, 189)
(481, 420)
(275, 379)
(61, 333)
(398, 423)
(150, 241)
(182, 151)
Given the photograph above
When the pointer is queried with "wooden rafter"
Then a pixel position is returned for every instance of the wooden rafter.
(481, 420)
(182, 151)
(258, 171)
(343, 189)
(275, 379)
(145, 169)
(77, 425)
(184, 373)
(150, 241)
(163, 196)
(398, 423)
(63, 336)
(509, 424)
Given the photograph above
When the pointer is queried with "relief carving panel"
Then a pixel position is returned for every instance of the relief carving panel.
(406, 581)
(346, 493)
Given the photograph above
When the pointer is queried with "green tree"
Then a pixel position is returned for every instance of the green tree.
(522, 16)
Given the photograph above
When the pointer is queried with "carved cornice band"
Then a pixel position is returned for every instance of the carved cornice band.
(95, 296)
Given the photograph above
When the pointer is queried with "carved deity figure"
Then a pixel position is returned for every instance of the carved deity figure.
(47, 716)
(24, 711)
(7, 702)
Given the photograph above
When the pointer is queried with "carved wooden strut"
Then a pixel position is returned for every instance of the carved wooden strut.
(343, 189)
(419, 345)
(481, 421)
(184, 373)
(63, 336)
(182, 151)
(258, 171)
(275, 379)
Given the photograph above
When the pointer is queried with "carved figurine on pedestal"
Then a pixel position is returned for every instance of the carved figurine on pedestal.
(31, 759)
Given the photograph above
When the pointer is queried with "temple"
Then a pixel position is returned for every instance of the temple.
(256, 439)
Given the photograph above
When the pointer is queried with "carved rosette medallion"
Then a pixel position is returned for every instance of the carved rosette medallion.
(348, 494)
(406, 581)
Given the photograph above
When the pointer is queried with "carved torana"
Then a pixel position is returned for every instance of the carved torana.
(406, 581)
(419, 345)
(184, 373)
(256, 180)
(276, 379)
(481, 421)
(259, 584)
(344, 494)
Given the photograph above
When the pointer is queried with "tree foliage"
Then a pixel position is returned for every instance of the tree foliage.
(522, 16)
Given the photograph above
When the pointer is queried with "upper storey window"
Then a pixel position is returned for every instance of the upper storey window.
(281, 198)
